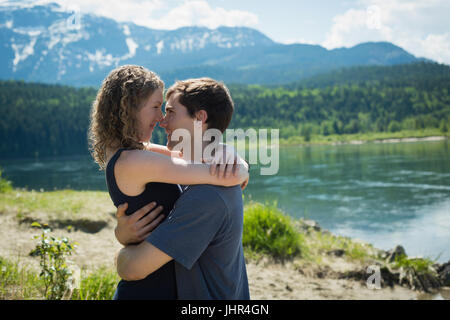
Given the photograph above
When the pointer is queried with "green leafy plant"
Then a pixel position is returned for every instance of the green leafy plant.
(420, 265)
(55, 271)
(268, 230)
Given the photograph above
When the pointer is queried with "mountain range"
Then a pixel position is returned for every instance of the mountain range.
(45, 43)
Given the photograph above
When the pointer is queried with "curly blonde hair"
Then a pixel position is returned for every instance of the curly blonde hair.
(113, 122)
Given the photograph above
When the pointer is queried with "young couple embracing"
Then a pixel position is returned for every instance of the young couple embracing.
(180, 221)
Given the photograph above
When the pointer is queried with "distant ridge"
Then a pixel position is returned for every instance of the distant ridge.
(41, 43)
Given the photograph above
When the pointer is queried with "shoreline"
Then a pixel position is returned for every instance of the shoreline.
(430, 138)
(283, 143)
(397, 140)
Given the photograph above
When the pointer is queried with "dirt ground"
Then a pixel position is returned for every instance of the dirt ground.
(267, 279)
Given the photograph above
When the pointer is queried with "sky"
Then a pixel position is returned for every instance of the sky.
(422, 27)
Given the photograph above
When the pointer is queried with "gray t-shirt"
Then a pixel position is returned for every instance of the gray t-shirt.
(203, 234)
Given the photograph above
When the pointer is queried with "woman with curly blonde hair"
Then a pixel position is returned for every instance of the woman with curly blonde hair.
(124, 114)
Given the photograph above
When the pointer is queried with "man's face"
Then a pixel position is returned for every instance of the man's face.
(177, 117)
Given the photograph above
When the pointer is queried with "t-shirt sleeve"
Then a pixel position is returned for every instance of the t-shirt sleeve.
(186, 233)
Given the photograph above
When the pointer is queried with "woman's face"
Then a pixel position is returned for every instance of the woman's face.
(149, 115)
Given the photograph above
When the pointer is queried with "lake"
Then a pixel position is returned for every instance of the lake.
(382, 193)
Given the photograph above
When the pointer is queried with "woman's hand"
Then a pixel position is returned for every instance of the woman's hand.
(135, 228)
(245, 183)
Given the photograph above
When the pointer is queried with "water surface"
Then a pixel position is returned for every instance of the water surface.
(385, 194)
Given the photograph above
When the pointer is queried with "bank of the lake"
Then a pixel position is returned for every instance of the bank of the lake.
(374, 137)
(325, 266)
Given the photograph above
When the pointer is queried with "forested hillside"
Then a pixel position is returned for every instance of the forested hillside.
(351, 100)
(41, 120)
(417, 74)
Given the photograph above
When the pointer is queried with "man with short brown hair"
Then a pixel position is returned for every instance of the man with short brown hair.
(203, 233)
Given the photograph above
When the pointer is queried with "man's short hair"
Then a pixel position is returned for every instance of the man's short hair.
(205, 94)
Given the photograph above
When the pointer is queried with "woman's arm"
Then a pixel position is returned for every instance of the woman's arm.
(223, 163)
(162, 150)
(145, 166)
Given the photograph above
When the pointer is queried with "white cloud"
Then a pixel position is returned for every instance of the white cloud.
(119, 10)
(156, 14)
(200, 13)
(421, 27)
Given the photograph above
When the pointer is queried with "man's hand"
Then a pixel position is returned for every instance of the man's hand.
(135, 228)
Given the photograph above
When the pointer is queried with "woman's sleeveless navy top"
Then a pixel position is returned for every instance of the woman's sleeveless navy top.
(161, 284)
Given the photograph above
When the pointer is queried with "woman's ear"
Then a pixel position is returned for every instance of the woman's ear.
(202, 116)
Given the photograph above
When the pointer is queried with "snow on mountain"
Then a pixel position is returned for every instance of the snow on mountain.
(80, 41)
(45, 43)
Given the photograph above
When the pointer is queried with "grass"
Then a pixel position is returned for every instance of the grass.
(18, 282)
(99, 284)
(321, 243)
(420, 265)
(63, 204)
(21, 283)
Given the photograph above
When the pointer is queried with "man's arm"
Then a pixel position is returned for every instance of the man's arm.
(184, 236)
(135, 262)
(136, 228)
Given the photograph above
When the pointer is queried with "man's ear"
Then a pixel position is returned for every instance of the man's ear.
(202, 116)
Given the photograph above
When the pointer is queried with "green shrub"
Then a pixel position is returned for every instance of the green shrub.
(420, 265)
(268, 230)
(55, 272)
(5, 185)
(306, 132)
(394, 126)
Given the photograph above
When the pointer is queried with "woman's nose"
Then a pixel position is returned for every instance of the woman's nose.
(160, 116)
(163, 122)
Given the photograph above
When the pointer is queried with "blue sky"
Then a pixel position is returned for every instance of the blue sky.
(291, 20)
(421, 27)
